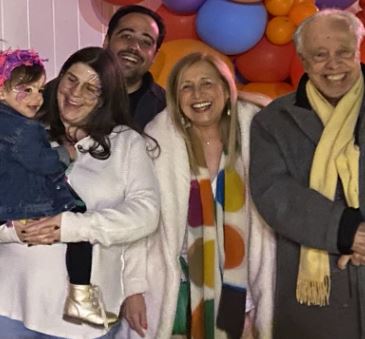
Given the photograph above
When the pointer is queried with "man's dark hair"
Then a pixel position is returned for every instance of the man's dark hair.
(122, 11)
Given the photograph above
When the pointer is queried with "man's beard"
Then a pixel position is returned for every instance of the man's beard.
(133, 77)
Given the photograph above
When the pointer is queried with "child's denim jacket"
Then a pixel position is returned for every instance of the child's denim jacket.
(32, 178)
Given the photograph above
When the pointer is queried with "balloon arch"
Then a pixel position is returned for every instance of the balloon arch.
(254, 37)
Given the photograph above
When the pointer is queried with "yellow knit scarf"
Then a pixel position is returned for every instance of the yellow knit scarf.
(336, 156)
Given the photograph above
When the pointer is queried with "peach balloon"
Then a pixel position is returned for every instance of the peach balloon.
(278, 7)
(171, 51)
(301, 11)
(271, 89)
(280, 30)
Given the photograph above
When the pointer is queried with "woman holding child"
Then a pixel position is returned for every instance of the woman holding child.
(112, 173)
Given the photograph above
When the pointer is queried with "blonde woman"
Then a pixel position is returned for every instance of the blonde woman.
(202, 259)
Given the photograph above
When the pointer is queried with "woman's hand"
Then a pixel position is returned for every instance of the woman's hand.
(256, 98)
(134, 311)
(70, 148)
(19, 226)
(44, 231)
(248, 331)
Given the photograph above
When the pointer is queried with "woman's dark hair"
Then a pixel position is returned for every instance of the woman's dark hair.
(112, 109)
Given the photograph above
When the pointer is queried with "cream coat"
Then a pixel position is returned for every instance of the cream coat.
(121, 194)
(163, 274)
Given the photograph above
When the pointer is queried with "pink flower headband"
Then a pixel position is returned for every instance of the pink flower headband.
(11, 59)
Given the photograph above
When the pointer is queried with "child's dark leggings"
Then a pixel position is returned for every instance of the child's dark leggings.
(79, 255)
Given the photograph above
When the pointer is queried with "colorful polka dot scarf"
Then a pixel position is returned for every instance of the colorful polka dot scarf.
(216, 254)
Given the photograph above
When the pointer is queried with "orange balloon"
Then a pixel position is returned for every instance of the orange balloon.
(280, 30)
(301, 11)
(278, 7)
(172, 51)
(296, 2)
(271, 89)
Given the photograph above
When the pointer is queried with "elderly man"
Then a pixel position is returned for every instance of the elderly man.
(308, 182)
(135, 33)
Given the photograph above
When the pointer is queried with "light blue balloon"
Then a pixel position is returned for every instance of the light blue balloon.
(229, 27)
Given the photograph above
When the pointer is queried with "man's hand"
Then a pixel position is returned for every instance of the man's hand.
(355, 258)
(358, 245)
(134, 311)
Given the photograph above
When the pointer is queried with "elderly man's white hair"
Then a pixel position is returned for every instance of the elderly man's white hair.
(355, 25)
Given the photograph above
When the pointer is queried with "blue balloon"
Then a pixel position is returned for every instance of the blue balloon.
(183, 6)
(342, 4)
(231, 28)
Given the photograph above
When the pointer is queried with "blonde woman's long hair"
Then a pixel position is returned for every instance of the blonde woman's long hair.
(229, 126)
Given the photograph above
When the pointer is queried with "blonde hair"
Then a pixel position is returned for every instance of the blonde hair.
(228, 124)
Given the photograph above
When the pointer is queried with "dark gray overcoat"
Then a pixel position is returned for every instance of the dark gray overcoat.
(284, 136)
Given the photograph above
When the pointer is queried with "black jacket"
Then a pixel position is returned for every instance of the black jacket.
(147, 101)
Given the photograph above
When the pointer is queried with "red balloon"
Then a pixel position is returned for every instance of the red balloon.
(296, 70)
(362, 52)
(266, 62)
(178, 26)
(361, 16)
(123, 2)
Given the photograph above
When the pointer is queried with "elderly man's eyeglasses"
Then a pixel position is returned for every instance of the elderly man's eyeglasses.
(87, 90)
(325, 56)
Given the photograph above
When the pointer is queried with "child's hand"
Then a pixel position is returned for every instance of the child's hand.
(44, 231)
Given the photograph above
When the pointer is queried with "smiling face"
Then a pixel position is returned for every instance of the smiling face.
(202, 95)
(24, 98)
(78, 94)
(330, 57)
(134, 42)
